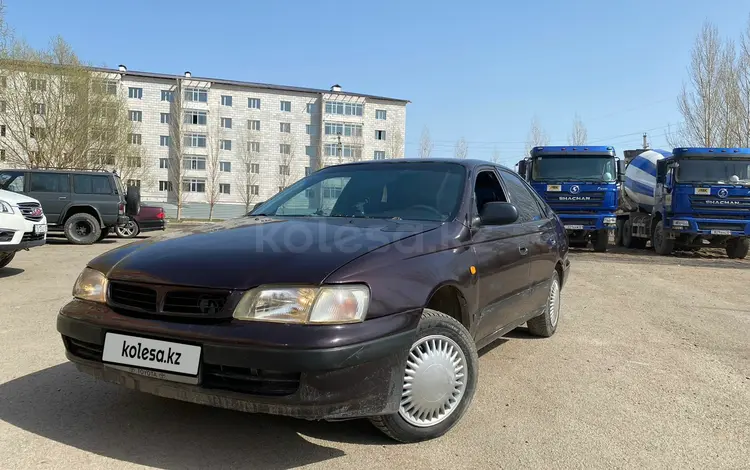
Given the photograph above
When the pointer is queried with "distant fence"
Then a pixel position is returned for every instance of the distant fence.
(200, 210)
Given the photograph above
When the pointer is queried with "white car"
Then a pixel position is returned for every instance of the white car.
(23, 225)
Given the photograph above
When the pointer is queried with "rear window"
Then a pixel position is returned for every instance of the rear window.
(91, 184)
(49, 183)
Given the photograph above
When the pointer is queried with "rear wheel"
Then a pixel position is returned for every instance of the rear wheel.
(627, 234)
(602, 240)
(6, 258)
(546, 324)
(129, 230)
(737, 248)
(82, 229)
(662, 245)
(439, 381)
(618, 232)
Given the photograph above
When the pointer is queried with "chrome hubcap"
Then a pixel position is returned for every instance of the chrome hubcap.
(128, 229)
(554, 302)
(434, 381)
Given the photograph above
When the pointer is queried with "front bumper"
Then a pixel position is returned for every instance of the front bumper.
(292, 370)
(708, 228)
(588, 222)
(17, 233)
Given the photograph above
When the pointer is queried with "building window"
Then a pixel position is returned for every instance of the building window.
(134, 162)
(194, 185)
(164, 140)
(285, 127)
(196, 94)
(164, 163)
(253, 103)
(379, 135)
(195, 140)
(310, 108)
(225, 144)
(286, 106)
(2, 155)
(254, 189)
(380, 114)
(226, 100)
(3, 106)
(308, 171)
(167, 95)
(253, 147)
(40, 109)
(285, 149)
(253, 125)
(136, 116)
(135, 139)
(310, 151)
(345, 109)
(225, 167)
(310, 129)
(334, 150)
(136, 183)
(165, 118)
(194, 162)
(338, 128)
(284, 170)
(136, 93)
(165, 185)
(36, 84)
(196, 117)
(224, 188)
(103, 87)
(255, 168)
(226, 123)
(2, 130)
(379, 155)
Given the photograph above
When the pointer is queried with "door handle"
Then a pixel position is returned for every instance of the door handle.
(62, 198)
(524, 251)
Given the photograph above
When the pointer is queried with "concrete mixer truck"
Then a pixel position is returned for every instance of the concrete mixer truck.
(580, 183)
(687, 199)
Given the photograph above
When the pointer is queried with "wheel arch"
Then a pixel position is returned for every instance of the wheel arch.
(447, 298)
(82, 208)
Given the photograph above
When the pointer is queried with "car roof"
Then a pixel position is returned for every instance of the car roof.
(467, 163)
(60, 171)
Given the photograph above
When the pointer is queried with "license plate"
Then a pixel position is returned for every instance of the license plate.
(574, 227)
(721, 232)
(151, 354)
(41, 228)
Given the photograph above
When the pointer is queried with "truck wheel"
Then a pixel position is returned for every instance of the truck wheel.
(6, 258)
(602, 240)
(627, 234)
(546, 324)
(439, 381)
(618, 232)
(737, 248)
(662, 245)
(82, 229)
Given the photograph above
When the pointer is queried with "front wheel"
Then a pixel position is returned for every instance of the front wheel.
(6, 258)
(439, 381)
(602, 240)
(737, 248)
(662, 244)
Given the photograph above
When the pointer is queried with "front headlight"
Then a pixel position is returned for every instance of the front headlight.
(5, 207)
(329, 304)
(680, 223)
(91, 285)
(610, 220)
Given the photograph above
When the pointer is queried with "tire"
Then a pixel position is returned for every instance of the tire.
(6, 258)
(602, 240)
(433, 327)
(133, 201)
(618, 232)
(105, 234)
(130, 230)
(82, 229)
(737, 248)
(662, 245)
(627, 234)
(545, 324)
(578, 244)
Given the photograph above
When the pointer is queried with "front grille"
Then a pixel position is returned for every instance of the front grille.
(84, 350)
(721, 226)
(716, 204)
(194, 303)
(32, 237)
(254, 381)
(31, 211)
(133, 296)
(577, 221)
(560, 200)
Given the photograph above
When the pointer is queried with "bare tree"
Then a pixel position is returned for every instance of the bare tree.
(742, 76)
(213, 169)
(537, 136)
(425, 144)
(495, 156)
(247, 175)
(462, 149)
(176, 166)
(287, 158)
(395, 141)
(579, 135)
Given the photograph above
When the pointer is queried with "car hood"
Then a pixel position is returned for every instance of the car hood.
(249, 251)
(15, 198)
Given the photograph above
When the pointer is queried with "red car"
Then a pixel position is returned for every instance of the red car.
(149, 219)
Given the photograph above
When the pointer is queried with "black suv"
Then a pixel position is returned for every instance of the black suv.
(84, 205)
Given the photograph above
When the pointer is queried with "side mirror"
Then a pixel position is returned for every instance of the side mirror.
(522, 167)
(621, 171)
(498, 213)
(661, 171)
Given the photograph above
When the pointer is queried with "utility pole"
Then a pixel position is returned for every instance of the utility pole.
(645, 141)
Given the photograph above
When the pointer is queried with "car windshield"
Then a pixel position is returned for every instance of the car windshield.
(574, 168)
(408, 191)
(713, 170)
(12, 181)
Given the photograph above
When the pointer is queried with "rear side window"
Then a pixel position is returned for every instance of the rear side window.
(91, 184)
(521, 196)
(49, 183)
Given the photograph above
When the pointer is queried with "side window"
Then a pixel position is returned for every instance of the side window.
(521, 195)
(49, 183)
(12, 181)
(488, 189)
(91, 184)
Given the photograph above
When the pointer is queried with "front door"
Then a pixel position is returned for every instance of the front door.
(502, 262)
(52, 190)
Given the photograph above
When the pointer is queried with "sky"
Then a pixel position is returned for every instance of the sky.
(479, 70)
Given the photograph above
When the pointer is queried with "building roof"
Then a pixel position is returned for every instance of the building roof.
(222, 81)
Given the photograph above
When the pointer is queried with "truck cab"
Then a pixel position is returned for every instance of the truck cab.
(701, 199)
(581, 184)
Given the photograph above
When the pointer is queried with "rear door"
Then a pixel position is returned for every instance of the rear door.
(541, 238)
(52, 190)
(97, 190)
